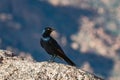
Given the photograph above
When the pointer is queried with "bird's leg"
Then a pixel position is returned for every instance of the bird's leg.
(52, 58)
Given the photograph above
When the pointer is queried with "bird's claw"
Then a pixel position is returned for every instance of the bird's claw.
(51, 61)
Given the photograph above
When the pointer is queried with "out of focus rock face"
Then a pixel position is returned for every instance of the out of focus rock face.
(18, 68)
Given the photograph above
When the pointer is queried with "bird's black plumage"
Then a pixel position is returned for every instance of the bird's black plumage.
(52, 47)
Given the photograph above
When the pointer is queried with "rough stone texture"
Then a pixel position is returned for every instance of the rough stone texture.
(17, 68)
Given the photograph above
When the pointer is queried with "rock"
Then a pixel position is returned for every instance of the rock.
(17, 68)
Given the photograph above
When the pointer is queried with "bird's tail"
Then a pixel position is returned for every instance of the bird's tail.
(69, 61)
(63, 56)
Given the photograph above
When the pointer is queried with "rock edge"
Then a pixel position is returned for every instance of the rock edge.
(18, 68)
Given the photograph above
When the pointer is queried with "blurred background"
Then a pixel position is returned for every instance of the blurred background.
(87, 30)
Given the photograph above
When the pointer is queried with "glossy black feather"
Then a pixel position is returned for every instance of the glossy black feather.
(52, 47)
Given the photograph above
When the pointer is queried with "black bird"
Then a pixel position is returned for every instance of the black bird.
(52, 47)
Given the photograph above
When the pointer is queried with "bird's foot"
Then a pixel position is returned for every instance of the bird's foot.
(51, 61)
(52, 58)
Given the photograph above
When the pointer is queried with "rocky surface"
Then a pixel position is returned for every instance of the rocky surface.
(19, 68)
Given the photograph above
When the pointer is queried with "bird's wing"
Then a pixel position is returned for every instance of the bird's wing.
(56, 46)
(59, 51)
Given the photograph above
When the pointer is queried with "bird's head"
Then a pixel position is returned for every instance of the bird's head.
(47, 31)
